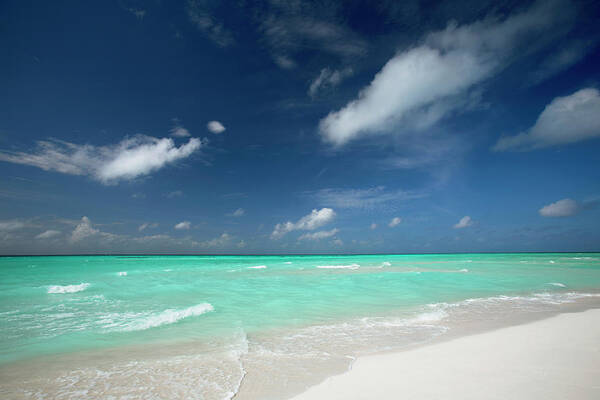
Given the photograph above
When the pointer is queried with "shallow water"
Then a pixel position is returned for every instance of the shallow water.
(202, 326)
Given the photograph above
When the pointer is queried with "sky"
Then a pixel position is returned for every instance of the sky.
(266, 127)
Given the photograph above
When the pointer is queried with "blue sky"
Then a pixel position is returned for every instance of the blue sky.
(299, 127)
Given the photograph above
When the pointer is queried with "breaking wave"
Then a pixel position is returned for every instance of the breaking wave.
(166, 317)
(351, 266)
(55, 289)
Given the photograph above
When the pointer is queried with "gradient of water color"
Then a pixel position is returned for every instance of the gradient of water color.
(226, 317)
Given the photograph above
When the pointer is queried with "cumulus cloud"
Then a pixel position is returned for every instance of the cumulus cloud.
(561, 208)
(395, 222)
(131, 158)
(220, 241)
(83, 230)
(48, 234)
(319, 235)
(327, 79)
(215, 127)
(565, 120)
(373, 226)
(183, 225)
(237, 213)
(312, 221)
(431, 79)
(363, 198)
(464, 222)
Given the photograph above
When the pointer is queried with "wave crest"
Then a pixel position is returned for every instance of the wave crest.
(166, 317)
(56, 289)
(351, 266)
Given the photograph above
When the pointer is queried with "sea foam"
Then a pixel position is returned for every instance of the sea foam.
(351, 266)
(56, 289)
(557, 284)
(123, 273)
(166, 317)
(258, 267)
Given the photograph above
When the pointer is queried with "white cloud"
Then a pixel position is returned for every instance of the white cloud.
(464, 222)
(319, 235)
(565, 120)
(427, 82)
(147, 225)
(363, 198)
(561, 208)
(11, 225)
(215, 127)
(288, 32)
(83, 230)
(284, 62)
(48, 234)
(176, 193)
(337, 242)
(183, 225)
(327, 79)
(395, 222)
(132, 157)
(201, 14)
(237, 213)
(564, 57)
(179, 131)
(312, 221)
(220, 241)
(373, 226)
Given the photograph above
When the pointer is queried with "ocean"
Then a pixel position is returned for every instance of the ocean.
(254, 327)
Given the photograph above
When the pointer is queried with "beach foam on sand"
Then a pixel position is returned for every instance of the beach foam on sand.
(555, 358)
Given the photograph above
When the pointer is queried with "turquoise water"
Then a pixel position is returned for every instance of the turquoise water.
(62, 305)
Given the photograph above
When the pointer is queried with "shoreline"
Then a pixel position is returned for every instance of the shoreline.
(555, 357)
(257, 383)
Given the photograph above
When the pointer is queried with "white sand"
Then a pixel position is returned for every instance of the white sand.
(556, 358)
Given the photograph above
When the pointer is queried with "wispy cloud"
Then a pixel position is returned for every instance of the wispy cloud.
(11, 225)
(202, 14)
(567, 55)
(312, 221)
(319, 235)
(147, 225)
(174, 194)
(237, 213)
(178, 130)
(363, 198)
(430, 80)
(464, 222)
(49, 234)
(328, 78)
(291, 27)
(131, 158)
(565, 120)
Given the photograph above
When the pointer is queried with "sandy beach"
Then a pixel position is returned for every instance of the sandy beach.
(555, 358)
